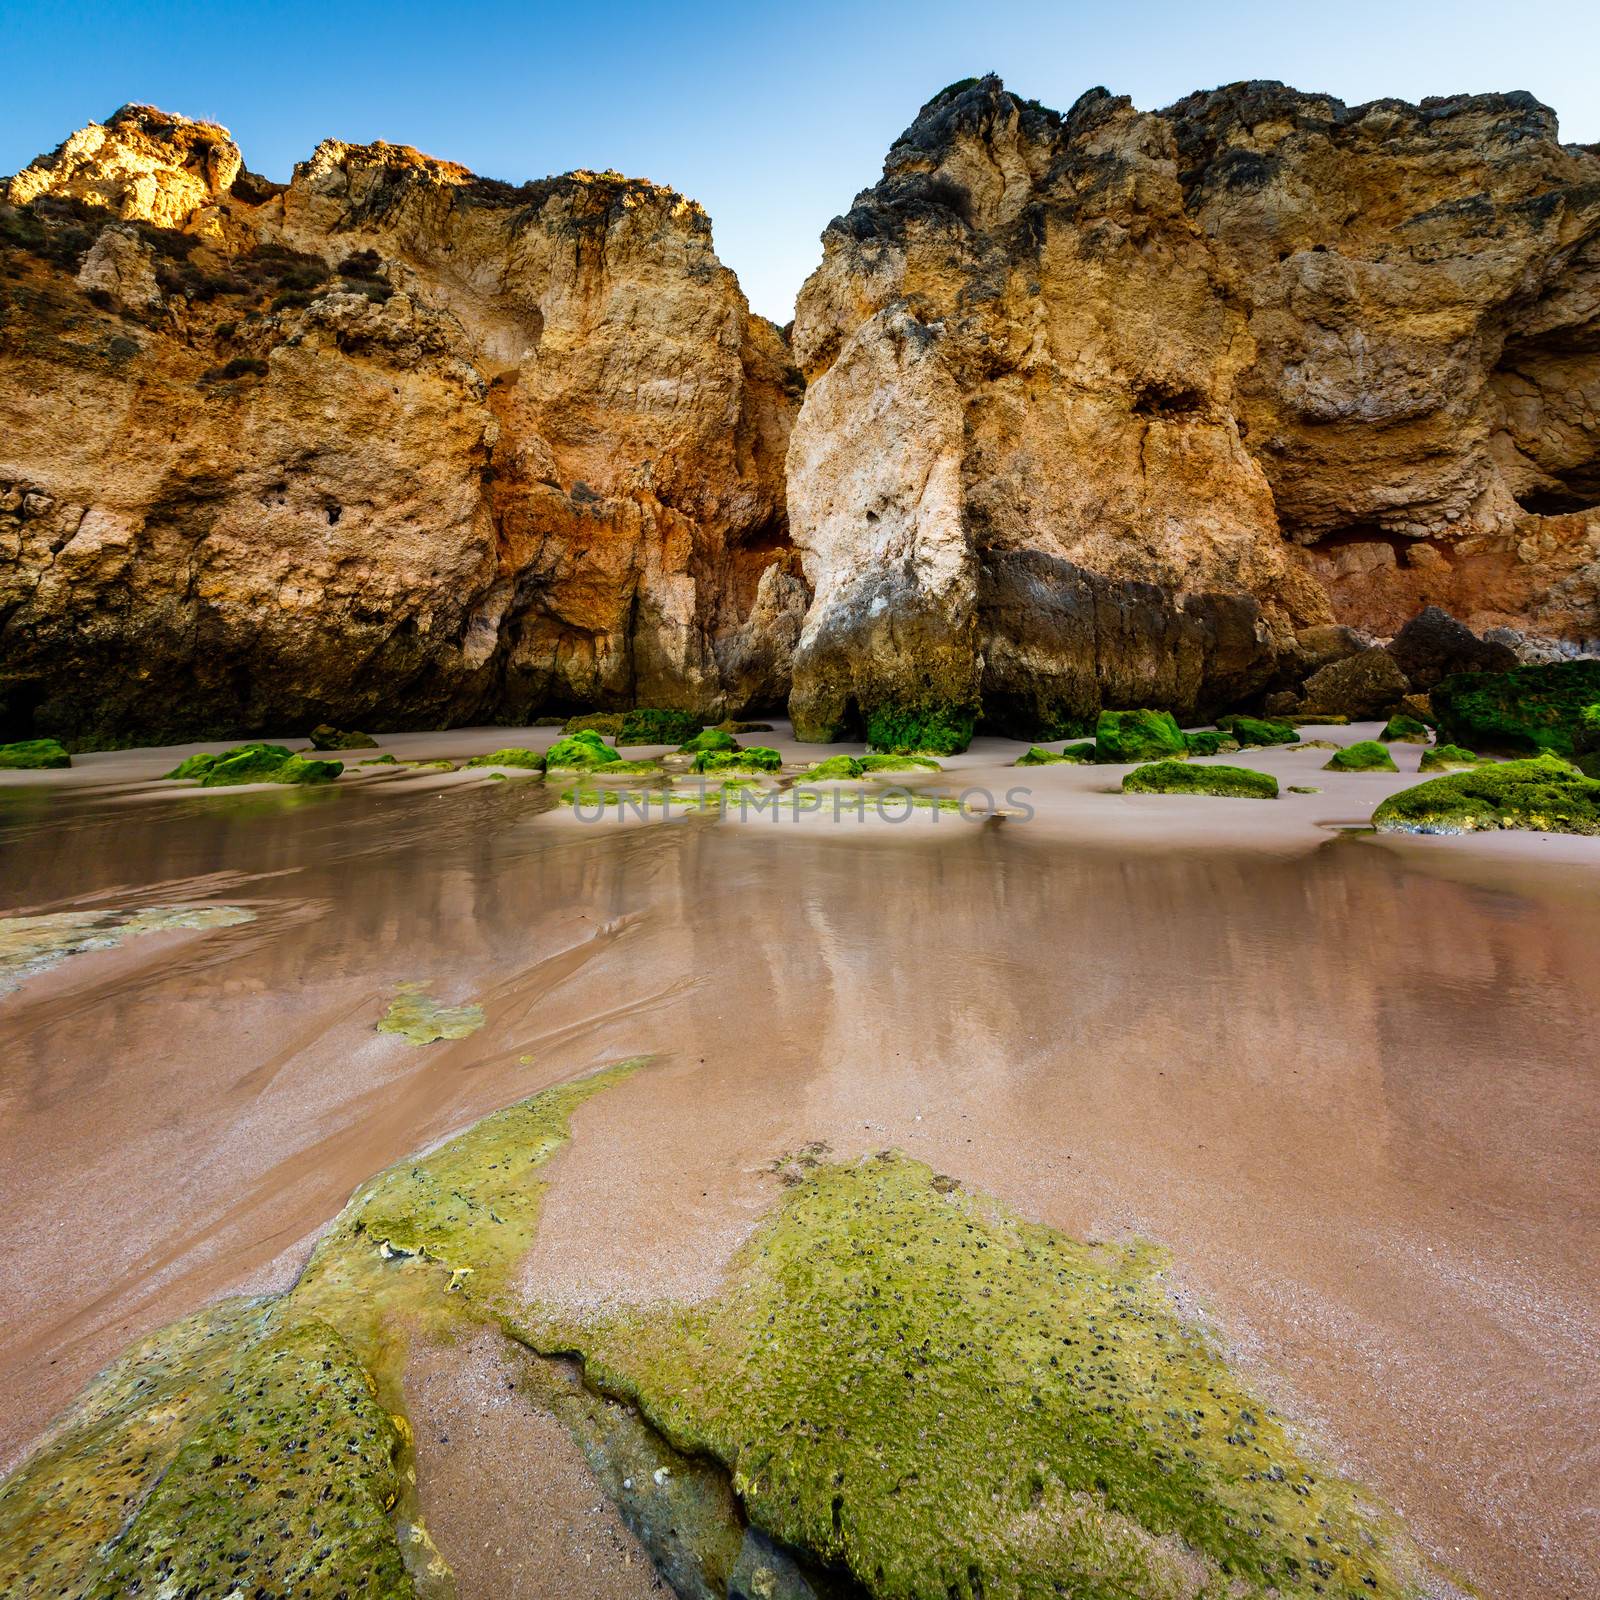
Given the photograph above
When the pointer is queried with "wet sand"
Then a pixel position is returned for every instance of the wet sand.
(1352, 1083)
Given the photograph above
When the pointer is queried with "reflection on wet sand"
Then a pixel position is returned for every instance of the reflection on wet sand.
(1356, 1098)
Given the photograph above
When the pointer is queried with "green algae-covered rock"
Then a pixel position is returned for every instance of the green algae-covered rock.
(420, 1019)
(833, 767)
(918, 1389)
(1543, 794)
(1365, 755)
(608, 723)
(730, 725)
(381, 761)
(758, 758)
(326, 737)
(1210, 742)
(1451, 758)
(708, 739)
(646, 725)
(1402, 729)
(581, 751)
(1074, 754)
(1254, 732)
(197, 766)
(884, 764)
(1526, 710)
(511, 756)
(1137, 736)
(1178, 777)
(34, 753)
(935, 730)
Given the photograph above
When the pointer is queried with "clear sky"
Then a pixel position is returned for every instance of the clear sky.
(772, 116)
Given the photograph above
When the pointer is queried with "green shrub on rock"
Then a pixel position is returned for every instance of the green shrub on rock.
(1252, 732)
(1451, 758)
(1402, 729)
(511, 756)
(1178, 777)
(34, 753)
(1366, 755)
(255, 763)
(1526, 710)
(1543, 794)
(583, 751)
(1073, 754)
(1137, 736)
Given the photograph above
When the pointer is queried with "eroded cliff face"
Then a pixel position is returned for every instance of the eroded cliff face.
(1107, 408)
(392, 446)
(1122, 408)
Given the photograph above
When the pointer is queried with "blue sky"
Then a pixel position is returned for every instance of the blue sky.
(773, 116)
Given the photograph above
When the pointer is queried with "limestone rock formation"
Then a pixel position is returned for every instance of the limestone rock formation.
(1105, 409)
(1144, 403)
(390, 446)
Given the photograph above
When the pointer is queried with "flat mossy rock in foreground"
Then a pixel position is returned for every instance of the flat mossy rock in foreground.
(255, 763)
(1365, 755)
(872, 764)
(1179, 777)
(1137, 736)
(511, 756)
(839, 768)
(34, 753)
(1543, 794)
(914, 1386)
(1526, 710)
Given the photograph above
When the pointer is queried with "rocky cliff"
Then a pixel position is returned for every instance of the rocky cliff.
(1103, 408)
(1125, 408)
(392, 445)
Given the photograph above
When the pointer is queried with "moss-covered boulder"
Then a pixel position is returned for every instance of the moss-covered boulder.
(255, 763)
(935, 730)
(1255, 732)
(1401, 729)
(708, 739)
(608, 723)
(1365, 755)
(1451, 758)
(1211, 742)
(835, 768)
(326, 737)
(511, 756)
(1137, 736)
(650, 725)
(385, 760)
(883, 766)
(1178, 777)
(730, 725)
(929, 1396)
(1523, 711)
(1543, 794)
(1072, 754)
(34, 753)
(582, 751)
(758, 758)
